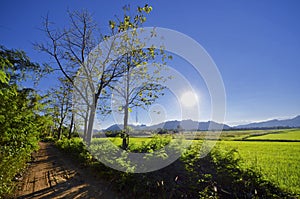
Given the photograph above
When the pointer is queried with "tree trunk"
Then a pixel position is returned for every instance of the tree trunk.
(125, 142)
(85, 124)
(71, 126)
(59, 131)
(91, 121)
(125, 135)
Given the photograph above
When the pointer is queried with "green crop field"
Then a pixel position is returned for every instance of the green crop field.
(281, 135)
(278, 162)
(241, 134)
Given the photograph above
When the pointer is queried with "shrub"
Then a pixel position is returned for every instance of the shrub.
(75, 147)
(217, 175)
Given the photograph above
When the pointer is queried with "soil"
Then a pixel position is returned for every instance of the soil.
(53, 175)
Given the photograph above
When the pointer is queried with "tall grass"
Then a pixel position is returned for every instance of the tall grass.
(278, 162)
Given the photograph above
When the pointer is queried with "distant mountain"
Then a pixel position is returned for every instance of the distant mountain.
(188, 125)
(118, 127)
(294, 122)
(114, 127)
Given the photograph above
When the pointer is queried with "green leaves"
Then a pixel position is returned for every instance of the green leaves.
(112, 24)
(20, 122)
(120, 108)
(17, 66)
(131, 23)
(3, 77)
(146, 9)
(20, 127)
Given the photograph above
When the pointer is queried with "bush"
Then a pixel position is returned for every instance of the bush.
(21, 118)
(75, 147)
(112, 133)
(156, 143)
(11, 163)
(48, 139)
(217, 175)
(20, 128)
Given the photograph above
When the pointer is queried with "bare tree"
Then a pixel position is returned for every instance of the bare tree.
(76, 54)
(61, 104)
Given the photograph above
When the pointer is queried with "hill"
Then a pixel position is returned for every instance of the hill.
(187, 125)
(190, 125)
(291, 123)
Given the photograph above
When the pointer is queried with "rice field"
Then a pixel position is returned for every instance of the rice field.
(281, 135)
(278, 162)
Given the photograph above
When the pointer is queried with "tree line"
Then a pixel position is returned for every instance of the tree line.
(89, 74)
(122, 66)
(23, 115)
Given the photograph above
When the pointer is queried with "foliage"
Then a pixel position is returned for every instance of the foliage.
(75, 147)
(93, 70)
(21, 121)
(162, 131)
(112, 133)
(17, 66)
(217, 175)
(140, 84)
(220, 175)
(156, 143)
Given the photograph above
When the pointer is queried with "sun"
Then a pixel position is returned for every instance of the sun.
(189, 99)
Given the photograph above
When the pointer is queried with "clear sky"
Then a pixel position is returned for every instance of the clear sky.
(255, 44)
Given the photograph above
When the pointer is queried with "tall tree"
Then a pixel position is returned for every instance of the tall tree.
(140, 85)
(76, 53)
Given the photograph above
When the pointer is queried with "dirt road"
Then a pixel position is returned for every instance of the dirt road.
(52, 175)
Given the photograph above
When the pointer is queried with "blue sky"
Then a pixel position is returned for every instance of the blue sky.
(255, 44)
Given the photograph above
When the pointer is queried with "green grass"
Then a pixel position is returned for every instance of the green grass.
(282, 135)
(227, 135)
(118, 141)
(274, 162)
(278, 162)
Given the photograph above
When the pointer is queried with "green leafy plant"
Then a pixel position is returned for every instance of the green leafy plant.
(21, 121)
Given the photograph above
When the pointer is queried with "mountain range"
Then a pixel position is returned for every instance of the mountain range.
(190, 125)
(293, 122)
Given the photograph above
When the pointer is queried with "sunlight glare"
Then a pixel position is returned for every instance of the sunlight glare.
(189, 99)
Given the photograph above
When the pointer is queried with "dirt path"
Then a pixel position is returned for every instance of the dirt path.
(52, 175)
